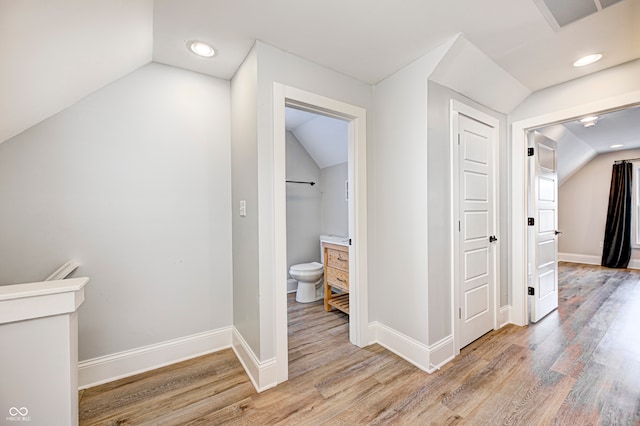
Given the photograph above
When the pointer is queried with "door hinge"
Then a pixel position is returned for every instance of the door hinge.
(459, 226)
(531, 221)
(458, 138)
(530, 152)
(532, 291)
(349, 241)
(459, 313)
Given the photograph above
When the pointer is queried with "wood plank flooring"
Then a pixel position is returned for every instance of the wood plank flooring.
(578, 366)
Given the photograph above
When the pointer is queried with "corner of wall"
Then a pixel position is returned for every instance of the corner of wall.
(428, 358)
(263, 374)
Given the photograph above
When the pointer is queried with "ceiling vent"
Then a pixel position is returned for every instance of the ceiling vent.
(561, 13)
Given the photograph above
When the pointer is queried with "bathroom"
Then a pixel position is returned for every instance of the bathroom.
(316, 152)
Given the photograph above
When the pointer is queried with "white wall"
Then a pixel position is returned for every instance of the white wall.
(132, 182)
(304, 205)
(244, 154)
(398, 272)
(582, 206)
(335, 207)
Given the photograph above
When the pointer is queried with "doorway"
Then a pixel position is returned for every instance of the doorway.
(286, 96)
(519, 191)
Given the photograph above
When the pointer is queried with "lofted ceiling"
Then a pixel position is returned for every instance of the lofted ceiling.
(577, 144)
(614, 128)
(55, 52)
(324, 138)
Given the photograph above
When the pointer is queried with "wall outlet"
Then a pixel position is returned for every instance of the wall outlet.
(243, 208)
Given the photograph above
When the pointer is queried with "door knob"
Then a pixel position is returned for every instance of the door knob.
(558, 232)
(493, 238)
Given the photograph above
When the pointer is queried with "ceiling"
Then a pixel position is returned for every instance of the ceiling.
(371, 39)
(324, 138)
(615, 128)
(578, 145)
(55, 52)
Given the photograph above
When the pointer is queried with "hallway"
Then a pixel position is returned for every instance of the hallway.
(579, 365)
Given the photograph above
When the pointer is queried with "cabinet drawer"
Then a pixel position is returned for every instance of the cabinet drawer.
(338, 278)
(338, 259)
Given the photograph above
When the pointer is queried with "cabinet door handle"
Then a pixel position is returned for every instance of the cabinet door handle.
(341, 280)
(341, 259)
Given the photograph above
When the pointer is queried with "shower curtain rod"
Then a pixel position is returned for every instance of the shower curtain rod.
(627, 160)
(297, 181)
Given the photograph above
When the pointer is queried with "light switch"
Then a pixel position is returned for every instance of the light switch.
(243, 208)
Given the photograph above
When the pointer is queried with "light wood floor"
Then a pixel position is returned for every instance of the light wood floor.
(578, 366)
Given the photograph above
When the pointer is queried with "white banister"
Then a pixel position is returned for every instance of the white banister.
(63, 272)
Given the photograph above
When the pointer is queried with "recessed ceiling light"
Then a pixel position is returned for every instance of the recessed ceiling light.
(201, 49)
(587, 60)
(616, 146)
(589, 119)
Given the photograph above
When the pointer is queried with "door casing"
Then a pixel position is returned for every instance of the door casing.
(359, 321)
(518, 252)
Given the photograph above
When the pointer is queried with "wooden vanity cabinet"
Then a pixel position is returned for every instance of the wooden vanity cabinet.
(336, 277)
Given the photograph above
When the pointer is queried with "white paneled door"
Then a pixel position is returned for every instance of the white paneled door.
(476, 274)
(543, 225)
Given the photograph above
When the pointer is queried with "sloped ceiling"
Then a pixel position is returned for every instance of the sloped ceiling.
(488, 84)
(54, 53)
(324, 138)
(578, 145)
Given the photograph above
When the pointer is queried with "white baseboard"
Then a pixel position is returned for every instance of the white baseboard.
(116, 366)
(587, 259)
(263, 374)
(426, 358)
(442, 352)
(504, 316)
(590, 259)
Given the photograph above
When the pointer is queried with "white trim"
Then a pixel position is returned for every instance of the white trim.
(590, 259)
(504, 316)
(587, 259)
(456, 108)
(116, 366)
(518, 253)
(426, 358)
(359, 302)
(19, 302)
(263, 374)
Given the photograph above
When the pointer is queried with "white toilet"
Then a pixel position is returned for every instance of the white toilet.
(310, 281)
(310, 275)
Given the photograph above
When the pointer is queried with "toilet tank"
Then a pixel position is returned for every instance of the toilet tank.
(334, 239)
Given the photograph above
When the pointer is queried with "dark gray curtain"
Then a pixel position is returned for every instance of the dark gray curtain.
(617, 233)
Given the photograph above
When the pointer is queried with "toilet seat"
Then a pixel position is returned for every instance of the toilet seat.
(303, 269)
